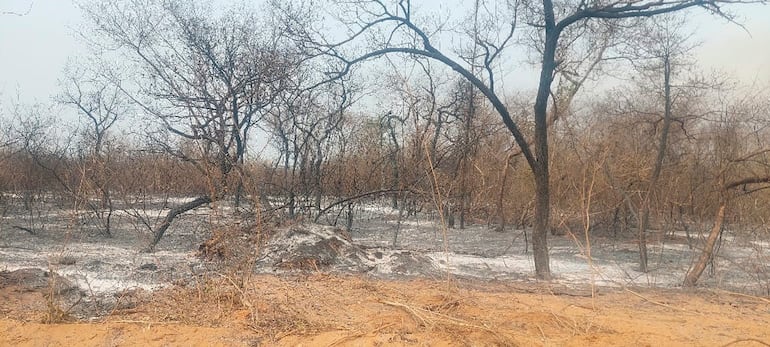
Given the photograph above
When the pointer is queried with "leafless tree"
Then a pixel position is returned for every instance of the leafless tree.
(100, 104)
(207, 80)
(660, 52)
(741, 156)
(42, 145)
(305, 123)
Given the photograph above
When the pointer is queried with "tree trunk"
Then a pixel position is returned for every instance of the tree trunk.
(540, 229)
(500, 200)
(292, 204)
(644, 216)
(466, 153)
(708, 250)
(176, 211)
(644, 219)
(540, 164)
(238, 193)
(317, 178)
(463, 205)
(394, 156)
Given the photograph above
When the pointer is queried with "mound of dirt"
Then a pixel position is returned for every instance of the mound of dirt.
(314, 247)
(36, 280)
(37, 290)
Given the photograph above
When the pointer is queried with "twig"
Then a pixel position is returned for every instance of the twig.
(766, 300)
(763, 343)
(142, 322)
(420, 313)
(20, 14)
(358, 334)
(653, 301)
(413, 311)
(542, 333)
(30, 231)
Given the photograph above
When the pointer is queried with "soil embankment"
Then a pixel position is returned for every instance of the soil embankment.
(324, 310)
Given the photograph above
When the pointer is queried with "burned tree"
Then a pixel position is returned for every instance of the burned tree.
(395, 28)
(206, 81)
(659, 51)
(100, 104)
(305, 123)
(741, 157)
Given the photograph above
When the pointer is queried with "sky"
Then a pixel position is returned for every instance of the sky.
(35, 47)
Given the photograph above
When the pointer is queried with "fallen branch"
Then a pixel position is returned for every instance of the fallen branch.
(423, 315)
(142, 322)
(30, 231)
(763, 343)
(172, 214)
(766, 300)
(653, 301)
(359, 196)
(409, 309)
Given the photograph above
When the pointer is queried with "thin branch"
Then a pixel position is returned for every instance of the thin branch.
(20, 14)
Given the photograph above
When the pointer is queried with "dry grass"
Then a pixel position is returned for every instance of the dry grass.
(331, 310)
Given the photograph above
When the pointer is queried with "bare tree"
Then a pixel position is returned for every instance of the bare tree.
(395, 28)
(42, 145)
(305, 123)
(659, 51)
(100, 104)
(743, 166)
(389, 124)
(206, 81)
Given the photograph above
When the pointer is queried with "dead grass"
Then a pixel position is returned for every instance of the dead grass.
(330, 310)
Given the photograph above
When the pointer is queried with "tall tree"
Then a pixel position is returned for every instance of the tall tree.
(660, 53)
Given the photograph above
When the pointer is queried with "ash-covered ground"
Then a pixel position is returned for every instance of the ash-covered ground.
(478, 251)
(380, 244)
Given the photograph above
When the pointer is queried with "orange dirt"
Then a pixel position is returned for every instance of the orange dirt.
(325, 310)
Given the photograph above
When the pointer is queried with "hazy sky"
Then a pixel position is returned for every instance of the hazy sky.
(35, 47)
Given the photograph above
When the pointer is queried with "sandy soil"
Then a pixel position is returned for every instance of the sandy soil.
(324, 310)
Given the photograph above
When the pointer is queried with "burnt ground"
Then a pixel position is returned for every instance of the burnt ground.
(70, 244)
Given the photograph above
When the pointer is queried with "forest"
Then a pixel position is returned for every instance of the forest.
(392, 121)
